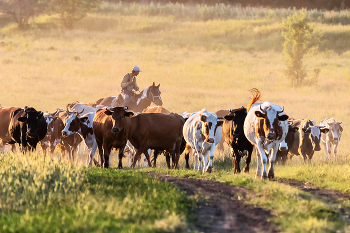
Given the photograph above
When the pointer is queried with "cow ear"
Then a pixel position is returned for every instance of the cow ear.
(283, 118)
(158, 85)
(341, 128)
(129, 114)
(219, 123)
(22, 119)
(203, 118)
(83, 119)
(229, 118)
(40, 114)
(153, 84)
(325, 130)
(107, 112)
(259, 114)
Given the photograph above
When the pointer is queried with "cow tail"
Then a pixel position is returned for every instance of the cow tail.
(256, 96)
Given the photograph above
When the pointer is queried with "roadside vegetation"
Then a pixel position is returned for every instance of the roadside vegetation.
(39, 195)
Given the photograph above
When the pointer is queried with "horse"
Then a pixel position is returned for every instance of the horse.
(138, 102)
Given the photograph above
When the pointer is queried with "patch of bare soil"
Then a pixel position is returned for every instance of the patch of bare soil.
(310, 188)
(222, 208)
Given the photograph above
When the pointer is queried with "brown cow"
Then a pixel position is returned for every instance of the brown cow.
(144, 131)
(70, 142)
(156, 109)
(5, 118)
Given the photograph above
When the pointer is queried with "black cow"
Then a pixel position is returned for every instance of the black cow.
(27, 128)
(232, 131)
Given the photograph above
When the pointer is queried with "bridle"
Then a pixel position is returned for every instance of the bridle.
(153, 96)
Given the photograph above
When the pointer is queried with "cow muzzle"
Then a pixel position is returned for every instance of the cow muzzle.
(271, 136)
(210, 140)
(115, 130)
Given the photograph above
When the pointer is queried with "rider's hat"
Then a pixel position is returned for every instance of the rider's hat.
(136, 68)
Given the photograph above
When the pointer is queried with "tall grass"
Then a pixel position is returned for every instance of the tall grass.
(45, 195)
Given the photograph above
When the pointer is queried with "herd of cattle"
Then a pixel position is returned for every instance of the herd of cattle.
(264, 126)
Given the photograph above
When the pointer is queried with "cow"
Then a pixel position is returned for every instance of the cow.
(81, 107)
(5, 118)
(27, 127)
(286, 144)
(69, 142)
(144, 131)
(202, 131)
(82, 125)
(221, 113)
(156, 109)
(331, 138)
(308, 140)
(265, 126)
(53, 136)
(233, 133)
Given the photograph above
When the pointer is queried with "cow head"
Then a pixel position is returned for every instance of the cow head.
(269, 122)
(154, 95)
(209, 124)
(314, 132)
(336, 130)
(118, 117)
(237, 116)
(283, 145)
(72, 123)
(31, 119)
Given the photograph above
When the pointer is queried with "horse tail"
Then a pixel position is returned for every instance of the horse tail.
(256, 96)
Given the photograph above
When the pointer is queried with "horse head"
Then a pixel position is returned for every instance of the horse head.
(154, 95)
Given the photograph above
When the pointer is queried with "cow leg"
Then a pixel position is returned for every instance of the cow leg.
(335, 150)
(149, 153)
(155, 156)
(272, 159)
(120, 157)
(147, 157)
(211, 157)
(258, 164)
(136, 157)
(187, 157)
(248, 159)
(92, 153)
(237, 159)
(100, 151)
(167, 159)
(106, 152)
(325, 146)
(196, 163)
(131, 155)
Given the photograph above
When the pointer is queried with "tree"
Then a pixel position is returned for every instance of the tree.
(71, 11)
(21, 10)
(300, 40)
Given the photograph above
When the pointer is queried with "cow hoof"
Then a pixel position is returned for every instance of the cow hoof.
(187, 167)
(246, 170)
(271, 176)
(257, 176)
(209, 169)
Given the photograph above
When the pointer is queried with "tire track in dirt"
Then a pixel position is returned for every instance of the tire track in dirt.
(325, 195)
(222, 209)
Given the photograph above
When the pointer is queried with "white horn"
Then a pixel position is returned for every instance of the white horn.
(126, 108)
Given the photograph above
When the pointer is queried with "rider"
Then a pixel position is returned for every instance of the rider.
(129, 84)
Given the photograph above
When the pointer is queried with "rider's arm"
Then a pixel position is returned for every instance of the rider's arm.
(136, 87)
(125, 83)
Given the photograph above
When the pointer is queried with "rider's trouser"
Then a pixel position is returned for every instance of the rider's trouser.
(126, 96)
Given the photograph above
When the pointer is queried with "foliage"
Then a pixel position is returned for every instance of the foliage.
(22, 10)
(300, 40)
(72, 11)
(45, 195)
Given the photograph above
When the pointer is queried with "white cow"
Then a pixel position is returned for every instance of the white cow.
(83, 125)
(265, 126)
(84, 109)
(202, 131)
(331, 138)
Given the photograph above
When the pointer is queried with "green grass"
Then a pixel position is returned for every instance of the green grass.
(50, 196)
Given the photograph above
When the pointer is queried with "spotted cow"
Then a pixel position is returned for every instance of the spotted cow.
(331, 138)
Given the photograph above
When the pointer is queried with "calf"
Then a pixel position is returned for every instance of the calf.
(286, 144)
(27, 127)
(308, 138)
(265, 126)
(69, 142)
(331, 138)
(53, 136)
(233, 133)
(202, 131)
(82, 125)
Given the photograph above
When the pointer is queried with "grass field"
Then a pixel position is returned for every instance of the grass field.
(208, 60)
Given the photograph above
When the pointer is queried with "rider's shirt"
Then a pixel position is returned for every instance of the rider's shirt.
(125, 85)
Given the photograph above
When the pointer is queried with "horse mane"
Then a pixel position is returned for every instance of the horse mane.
(256, 96)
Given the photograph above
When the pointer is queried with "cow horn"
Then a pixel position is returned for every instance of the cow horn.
(230, 110)
(261, 109)
(280, 111)
(54, 114)
(126, 108)
(80, 112)
(221, 118)
(25, 108)
(109, 108)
